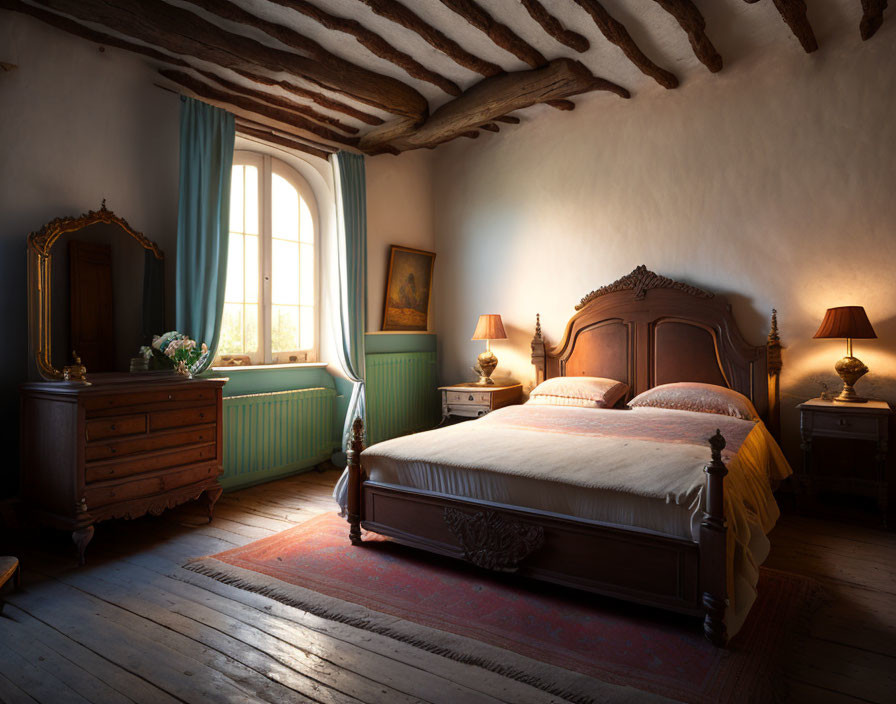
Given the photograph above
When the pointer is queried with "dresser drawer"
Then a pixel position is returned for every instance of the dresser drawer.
(177, 397)
(138, 464)
(851, 425)
(110, 448)
(104, 493)
(464, 398)
(159, 420)
(115, 426)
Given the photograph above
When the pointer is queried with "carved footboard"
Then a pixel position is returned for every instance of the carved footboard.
(628, 563)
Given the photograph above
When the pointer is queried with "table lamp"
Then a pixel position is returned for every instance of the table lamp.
(852, 323)
(488, 328)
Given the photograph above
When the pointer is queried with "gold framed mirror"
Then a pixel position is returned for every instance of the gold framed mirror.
(40, 280)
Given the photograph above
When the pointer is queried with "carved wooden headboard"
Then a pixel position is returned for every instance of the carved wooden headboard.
(646, 330)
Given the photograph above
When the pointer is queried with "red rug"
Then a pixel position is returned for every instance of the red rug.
(569, 642)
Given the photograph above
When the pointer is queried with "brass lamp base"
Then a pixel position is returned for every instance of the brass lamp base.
(850, 370)
(487, 363)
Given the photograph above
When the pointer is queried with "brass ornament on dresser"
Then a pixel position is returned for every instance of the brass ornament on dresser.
(847, 322)
(39, 279)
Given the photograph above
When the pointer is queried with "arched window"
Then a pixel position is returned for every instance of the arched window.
(270, 302)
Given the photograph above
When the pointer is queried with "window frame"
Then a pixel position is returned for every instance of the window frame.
(268, 166)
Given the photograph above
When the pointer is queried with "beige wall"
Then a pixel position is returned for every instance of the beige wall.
(399, 211)
(773, 182)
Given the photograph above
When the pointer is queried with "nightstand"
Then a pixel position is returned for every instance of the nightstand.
(470, 401)
(868, 422)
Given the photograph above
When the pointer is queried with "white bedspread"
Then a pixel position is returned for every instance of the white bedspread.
(642, 468)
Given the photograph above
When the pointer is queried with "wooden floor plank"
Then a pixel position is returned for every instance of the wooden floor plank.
(127, 642)
(134, 625)
(119, 679)
(11, 694)
(40, 684)
(37, 653)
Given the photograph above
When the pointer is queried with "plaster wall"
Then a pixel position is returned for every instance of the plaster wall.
(76, 125)
(399, 211)
(771, 182)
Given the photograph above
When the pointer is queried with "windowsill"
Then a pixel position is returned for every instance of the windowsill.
(270, 367)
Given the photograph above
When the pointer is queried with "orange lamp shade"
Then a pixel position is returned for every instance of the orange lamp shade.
(849, 322)
(489, 327)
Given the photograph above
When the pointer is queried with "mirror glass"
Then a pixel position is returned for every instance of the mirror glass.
(106, 298)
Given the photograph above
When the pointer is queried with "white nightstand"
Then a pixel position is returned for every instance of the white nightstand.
(471, 401)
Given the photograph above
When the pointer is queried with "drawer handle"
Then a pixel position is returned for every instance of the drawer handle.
(470, 398)
(170, 397)
(112, 426)
(844, 422)
(202, 415)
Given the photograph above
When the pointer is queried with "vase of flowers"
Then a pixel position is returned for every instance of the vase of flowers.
(174, 350)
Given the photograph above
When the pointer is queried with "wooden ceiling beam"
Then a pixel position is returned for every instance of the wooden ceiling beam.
(318, 98)
(616, 33)
(488, 99)
(490, 127)
(296, 124)
(470, 134)
(401, 15)
(372, 41)
(268, 135)
(183, 32)
(508, 119)
(499, 33)
(688, 16)
(79, 30)
(279, 102)
(872, 17)
(552, 26)
(565, 105)
(794, 14)
(72, 27)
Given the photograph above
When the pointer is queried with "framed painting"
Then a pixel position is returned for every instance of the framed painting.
(408, 289)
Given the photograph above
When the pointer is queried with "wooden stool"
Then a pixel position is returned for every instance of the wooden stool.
(9, 570)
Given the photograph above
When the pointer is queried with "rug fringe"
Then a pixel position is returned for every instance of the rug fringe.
(542, 681)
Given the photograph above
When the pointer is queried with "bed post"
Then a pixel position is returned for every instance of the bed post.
(773, 356)
(713, 547)
(355, 480)
(538, 357)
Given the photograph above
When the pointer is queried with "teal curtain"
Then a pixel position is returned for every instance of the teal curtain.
(206, 158)
(351, 215)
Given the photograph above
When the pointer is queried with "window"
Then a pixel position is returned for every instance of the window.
(270, 300)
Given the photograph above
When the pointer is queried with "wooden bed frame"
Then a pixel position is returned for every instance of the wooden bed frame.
(643, 329)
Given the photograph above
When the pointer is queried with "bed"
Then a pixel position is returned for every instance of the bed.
(633, 503)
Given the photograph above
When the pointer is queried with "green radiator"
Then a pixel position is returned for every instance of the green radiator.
(402, 394)
(270, 435)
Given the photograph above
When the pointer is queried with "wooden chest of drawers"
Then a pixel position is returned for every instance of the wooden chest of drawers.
(126, 445)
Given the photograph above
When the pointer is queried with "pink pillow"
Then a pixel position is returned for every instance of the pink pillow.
(582, 391)
(702, 398)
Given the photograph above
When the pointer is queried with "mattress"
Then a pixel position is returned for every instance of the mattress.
(640, 468)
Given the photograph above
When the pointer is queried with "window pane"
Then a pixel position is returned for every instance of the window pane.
(284, 328)
(284, 273)
(231, 341)
(251, 200)
(236, 199)
(306, 282)
(284, 209)
(307, 321)
(251, 291)
(250, 344)
(307, 224)
(233, 291)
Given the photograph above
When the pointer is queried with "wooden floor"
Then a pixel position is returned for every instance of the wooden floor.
(127, 628)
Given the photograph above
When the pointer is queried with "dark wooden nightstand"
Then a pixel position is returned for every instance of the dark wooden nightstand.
(851, 422)
(469, 401)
